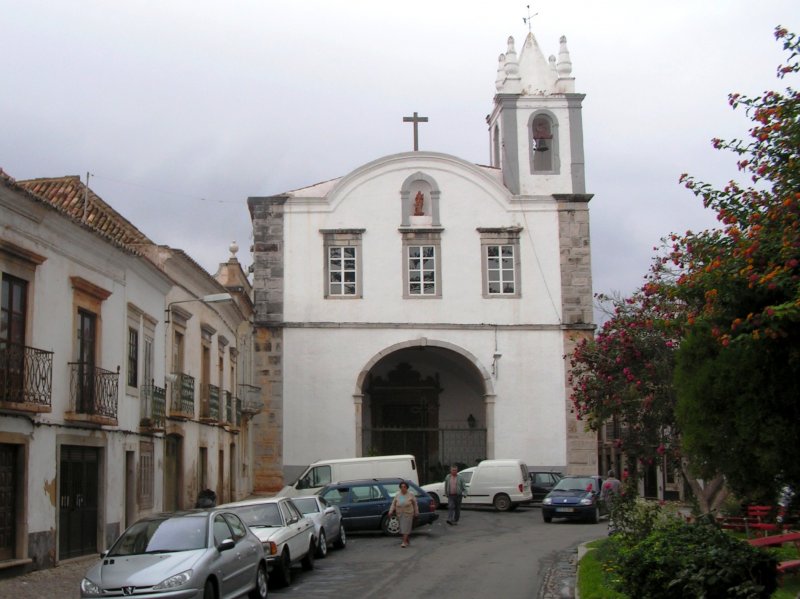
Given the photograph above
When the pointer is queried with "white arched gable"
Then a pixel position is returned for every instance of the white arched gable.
(428, 163)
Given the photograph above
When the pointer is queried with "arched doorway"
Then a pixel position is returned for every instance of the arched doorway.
(428, 400)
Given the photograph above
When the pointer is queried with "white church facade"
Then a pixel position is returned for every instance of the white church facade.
(424, 304)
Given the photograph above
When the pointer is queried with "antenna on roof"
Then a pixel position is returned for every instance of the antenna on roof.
(528, 19)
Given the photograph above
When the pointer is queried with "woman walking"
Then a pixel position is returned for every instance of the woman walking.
(405, 506)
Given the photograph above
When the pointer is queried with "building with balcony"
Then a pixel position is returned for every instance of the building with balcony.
(123, 391)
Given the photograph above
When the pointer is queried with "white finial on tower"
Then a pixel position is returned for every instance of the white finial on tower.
(512, 66)
(501, 72)
(233, 248)
(564, 65)
(552, 62)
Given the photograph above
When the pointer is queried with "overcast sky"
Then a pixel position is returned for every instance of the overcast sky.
(181, 109)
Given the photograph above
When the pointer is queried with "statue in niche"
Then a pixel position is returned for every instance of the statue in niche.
(419, 202)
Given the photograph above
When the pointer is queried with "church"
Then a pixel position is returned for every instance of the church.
(423, 304)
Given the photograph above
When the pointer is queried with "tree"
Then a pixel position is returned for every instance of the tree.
(738, 365)
(625, 374)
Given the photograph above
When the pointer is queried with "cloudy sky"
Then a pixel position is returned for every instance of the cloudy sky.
(181, 109)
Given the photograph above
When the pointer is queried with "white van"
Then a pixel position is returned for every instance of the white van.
(322, 472)
(505, 484)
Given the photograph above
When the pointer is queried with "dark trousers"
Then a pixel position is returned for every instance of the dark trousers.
(453, 508)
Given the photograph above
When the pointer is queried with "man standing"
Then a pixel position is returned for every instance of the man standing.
(611, 490)
(454, 486)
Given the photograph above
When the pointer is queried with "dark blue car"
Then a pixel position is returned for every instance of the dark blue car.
(575, 498)
(365, 503)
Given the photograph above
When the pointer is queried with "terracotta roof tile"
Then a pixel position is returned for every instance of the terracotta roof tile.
(72, 197)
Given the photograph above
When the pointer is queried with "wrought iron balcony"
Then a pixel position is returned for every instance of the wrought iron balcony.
(181, 396)
(251, 399)
(26, 378)
(230, 415)
(93, 393)
(209, 403)
(154, 405)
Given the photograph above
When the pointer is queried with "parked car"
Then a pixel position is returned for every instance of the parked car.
(542, 482)
(327, 518)
(286, 534)
(436, 490)
(576, 498)
(365, 503)
(505, 484)
(199, 553)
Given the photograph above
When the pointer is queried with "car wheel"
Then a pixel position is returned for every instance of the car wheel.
(594, 517)
(341, 542)
(547, 518)
(322, 544)
(308, 561)
(209, 591)
(435, 499)
(391, 525)
(502, 503)
(260, 590)
(283, 570)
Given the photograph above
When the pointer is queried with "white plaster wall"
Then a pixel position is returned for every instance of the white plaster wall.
(370, 199)
(319, 413)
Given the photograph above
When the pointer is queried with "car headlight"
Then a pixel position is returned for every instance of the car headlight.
(587, 501)
(174, 581)
(547, 501)
(270, 548)
(90, 588)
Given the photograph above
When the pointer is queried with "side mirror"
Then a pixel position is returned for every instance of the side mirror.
(329, 510)
(226, 544)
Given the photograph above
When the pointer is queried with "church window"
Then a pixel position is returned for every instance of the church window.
(500, 269)
(500, 262)
(421, 270)
(342, 270)
(422, 264)
(342, 263)
(543, 144)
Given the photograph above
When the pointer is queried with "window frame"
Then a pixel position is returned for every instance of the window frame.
(342, 239)
(500, 237)
(420, 238)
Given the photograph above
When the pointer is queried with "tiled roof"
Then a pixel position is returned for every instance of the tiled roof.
(70, 196)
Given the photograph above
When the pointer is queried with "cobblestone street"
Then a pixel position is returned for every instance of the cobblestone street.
(61, 582)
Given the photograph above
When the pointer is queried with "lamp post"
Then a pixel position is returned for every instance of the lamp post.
(214, 298)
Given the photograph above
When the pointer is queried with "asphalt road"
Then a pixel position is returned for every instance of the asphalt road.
(489, 554)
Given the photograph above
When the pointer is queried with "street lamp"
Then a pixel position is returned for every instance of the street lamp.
(214, 298)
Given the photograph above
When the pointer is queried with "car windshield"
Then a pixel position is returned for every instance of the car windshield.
(307, 505)
(163, 536)
(263, 515)
(575, 484)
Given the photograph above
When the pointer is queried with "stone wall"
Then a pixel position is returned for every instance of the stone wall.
(268, 278)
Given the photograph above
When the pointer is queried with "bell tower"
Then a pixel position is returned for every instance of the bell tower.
(535, 128)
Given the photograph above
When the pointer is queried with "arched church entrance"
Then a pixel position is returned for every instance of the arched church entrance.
(428, 401)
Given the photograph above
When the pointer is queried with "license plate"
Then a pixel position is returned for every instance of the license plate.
(565, 509)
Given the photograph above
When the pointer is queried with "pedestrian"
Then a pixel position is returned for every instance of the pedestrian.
(405, 506)
(454, 487)
(609, 493)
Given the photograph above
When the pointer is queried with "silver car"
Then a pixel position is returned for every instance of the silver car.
(201, 554)
(327, 520)
(287, 536)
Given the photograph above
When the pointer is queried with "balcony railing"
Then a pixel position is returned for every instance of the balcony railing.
(182, 396)
(94, 392)
(251, 399)
(154, 405)
(209, 403)
(26, 377)
(229, 418)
